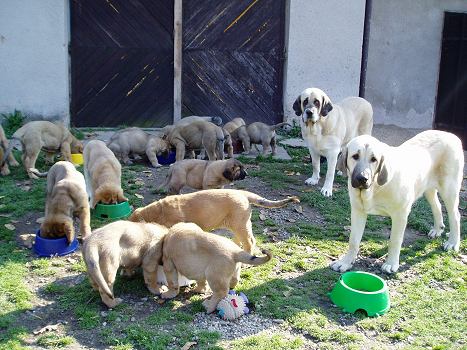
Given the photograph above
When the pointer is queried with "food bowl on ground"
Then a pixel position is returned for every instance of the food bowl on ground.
(77, 158)
(168, 159)
(47, 247)
(357, 290)
(112, 211)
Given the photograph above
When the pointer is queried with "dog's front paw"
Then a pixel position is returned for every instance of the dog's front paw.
(113, 302)
(170, 294)
(341, 265)
(156, 165)
(312, 181)
(326, 191)
(452, 245)
(208, 305)
(435, 232)
(157, 290)
(390, 267)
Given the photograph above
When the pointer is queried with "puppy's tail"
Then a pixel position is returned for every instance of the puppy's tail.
(266, 203)
(37, 172)
(274, 127)
(92, 264)
(247, 258)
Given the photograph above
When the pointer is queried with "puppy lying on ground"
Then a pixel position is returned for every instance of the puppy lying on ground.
(66, 198)
(136, 141)
(386, 181)
(203, 174)
(262, 134)
(5, 159)
(103, 174)
(51, 137)
(126, 244)
(210, 209)
(197, 135)
(204, 257)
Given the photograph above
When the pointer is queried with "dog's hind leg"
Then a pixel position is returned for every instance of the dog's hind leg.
(171, 274)
(220, 288)
(431, 196)
(450, 195)
(201, 287)
(244, 234)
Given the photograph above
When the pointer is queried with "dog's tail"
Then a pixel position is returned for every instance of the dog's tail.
(247, 258)
(266, 203)
(37, 172)
(92, 264)
(274, 127)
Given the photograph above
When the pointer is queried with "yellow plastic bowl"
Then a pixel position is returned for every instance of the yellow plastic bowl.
(77, 158)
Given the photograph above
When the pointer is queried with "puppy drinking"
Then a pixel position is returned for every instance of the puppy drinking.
(126, 244)
(203, 174)
(211, 209)
(206, 258)
(103, 174)
(66, 198)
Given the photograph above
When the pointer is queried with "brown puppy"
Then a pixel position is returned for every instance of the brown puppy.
(103, 174)
(263, 134)
(190, 119)
(5, 160)
(66, 198)
(51, 137)
(136, 141)
(203, 174)
(204, 257)
(210, 209)
(126, 244)
(197, 135)
(238, 132)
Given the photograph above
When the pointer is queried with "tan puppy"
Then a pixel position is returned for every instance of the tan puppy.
(197, 135)
(328, 127)
(210, 209)
(193, 118)
(5, 160)
(204, 257)
(263, 134)
(66, 198)
(238, 132)
(136, 141)
(386, 181)
(51, 137)
(126, 244)
(203, 174)
(103, 174)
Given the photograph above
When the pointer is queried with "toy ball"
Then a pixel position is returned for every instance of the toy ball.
(233, 306)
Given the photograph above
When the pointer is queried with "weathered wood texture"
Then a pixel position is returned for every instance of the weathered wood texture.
(233, 59)
(451, 103)
(121, 62)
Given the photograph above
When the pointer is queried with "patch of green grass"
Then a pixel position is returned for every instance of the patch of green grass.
(12, 122)
(267, 342)
(42, 267)
(54, 341)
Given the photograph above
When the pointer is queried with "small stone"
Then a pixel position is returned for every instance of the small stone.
(104, 314)
(104, 324)
(118, 319)
(133, 319)
(144, 299)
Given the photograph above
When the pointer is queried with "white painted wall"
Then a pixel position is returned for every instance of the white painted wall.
(324, 48)
(403, 59)
(34, 75)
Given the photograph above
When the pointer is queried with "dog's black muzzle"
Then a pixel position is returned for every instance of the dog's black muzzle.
(360, 180)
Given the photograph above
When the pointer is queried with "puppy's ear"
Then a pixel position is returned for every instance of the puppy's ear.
(382, 172)
(297, 106)
(326, 106)
(121, 198)
(342, 161)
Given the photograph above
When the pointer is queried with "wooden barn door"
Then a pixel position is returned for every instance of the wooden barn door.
(451, 103)
(121, 62)
(233, 59)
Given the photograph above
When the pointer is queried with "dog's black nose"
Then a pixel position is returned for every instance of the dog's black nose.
(308, 113)
(361, 178)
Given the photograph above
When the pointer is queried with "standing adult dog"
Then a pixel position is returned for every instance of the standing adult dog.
(327, 127)
(202, 174)
(51, 137)
(386, 181)
(5, 159)
(103, 174)
(210, 209)
(66, 198)
(136, 141)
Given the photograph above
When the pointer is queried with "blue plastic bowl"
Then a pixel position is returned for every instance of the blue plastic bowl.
(168, 159)
(48, 247)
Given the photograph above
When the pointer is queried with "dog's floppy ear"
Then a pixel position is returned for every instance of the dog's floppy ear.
(342, 161)
(326, 106)
(297, 106)
(382, 172)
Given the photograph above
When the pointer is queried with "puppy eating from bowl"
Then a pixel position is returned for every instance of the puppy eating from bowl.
(206, 258)
(203, 174)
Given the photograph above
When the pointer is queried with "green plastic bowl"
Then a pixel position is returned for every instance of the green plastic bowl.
(112, 211)
(357, 290)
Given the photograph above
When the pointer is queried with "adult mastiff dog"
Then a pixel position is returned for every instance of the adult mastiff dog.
(327, 127)
(386, 181)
